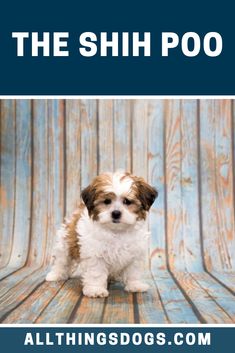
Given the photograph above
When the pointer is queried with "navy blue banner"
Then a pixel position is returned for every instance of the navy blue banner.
(117, 48)
(37, 339)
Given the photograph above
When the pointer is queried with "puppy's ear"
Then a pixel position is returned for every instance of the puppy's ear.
(88, 197)
(145, 193)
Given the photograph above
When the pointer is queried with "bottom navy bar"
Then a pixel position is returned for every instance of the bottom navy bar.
(103, 339)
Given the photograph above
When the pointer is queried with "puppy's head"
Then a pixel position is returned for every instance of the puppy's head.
(118, 200)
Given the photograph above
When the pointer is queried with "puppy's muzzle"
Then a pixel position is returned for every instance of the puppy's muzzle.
(116, 215)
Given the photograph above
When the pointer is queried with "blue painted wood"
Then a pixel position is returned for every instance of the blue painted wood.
(156, 177)
(106, 138)
(89, 141)
(224, 182)
(40, 176)
(22, 215)
(7, 168)
(217, 199)
(189, 186)
(177, 308)
(122, 134)
(22, 289)
(184, 148)
(140, 138)
(173, 158)
(37, 302)
(56, 170)
(73, 155)
(61, 307)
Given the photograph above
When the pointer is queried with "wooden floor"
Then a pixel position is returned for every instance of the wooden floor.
(51, 149)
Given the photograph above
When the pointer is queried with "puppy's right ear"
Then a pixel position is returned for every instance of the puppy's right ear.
(88, 197)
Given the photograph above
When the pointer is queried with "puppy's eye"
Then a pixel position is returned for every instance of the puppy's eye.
(127, 202)
(107, 201)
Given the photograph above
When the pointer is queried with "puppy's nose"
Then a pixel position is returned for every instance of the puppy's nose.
(116, 214)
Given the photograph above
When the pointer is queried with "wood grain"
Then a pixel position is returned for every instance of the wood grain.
(89, 311)
(7, 168)
(176, 306)
(173, 158)
(37, 302)
(216, 184)
(73, 155)
(22, 289)
(149, 305)
(89, 141)
(189, 180)
(156, 177)
(105, 133)
(119, 307)
(40, 175)
(61, 306)
(205, 304)
(23, 177)
(56, 171)
(51, 149)
(122, 134)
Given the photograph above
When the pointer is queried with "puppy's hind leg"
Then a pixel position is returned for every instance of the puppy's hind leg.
(61, 261)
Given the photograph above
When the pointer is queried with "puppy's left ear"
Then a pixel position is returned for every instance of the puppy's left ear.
(88, 197)
(146, 193)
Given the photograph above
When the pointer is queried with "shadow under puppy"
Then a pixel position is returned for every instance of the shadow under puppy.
(106, 236)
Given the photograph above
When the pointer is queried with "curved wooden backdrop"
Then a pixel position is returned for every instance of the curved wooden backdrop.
(50, 149)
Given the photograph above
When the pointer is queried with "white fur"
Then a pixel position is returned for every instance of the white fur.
(117, 186)
(107, 250)
(104, 254)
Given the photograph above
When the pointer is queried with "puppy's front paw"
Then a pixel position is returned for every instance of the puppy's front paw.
(56, 276)
(95, 292)
(136, 286)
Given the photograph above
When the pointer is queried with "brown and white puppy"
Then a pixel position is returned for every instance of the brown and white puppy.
(106, 237)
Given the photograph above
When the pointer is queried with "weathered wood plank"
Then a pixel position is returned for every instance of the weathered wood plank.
(8, 270)
(140, 138)
(208, 308)
(23, 171)
(218, 293)
(119, 306)
(62, 305)
(185, 152)
(105, 133)
(20, 292)
(32, 307)
(156, 177)
(73, 155)
(89, 311)
(177, 308)
(227, 278)
(216, 184)
(11, 281)
(139, 149)
(224, 182)
(173, 156)
(190, 186)
(55, 199)
(122, 134)
(39, 214)
(7, 186)
(149, 305)
(89, 141)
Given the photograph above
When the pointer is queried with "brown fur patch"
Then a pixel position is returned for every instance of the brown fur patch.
(141, 194)
(72, 235)
(145, 193)
(93, 194)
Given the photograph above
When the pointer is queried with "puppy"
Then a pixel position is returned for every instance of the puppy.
(106, 236)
